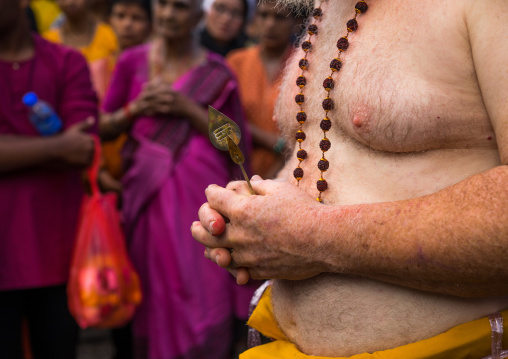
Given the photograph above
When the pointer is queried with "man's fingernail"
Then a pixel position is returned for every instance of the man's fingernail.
(210, 227)
(217, 259)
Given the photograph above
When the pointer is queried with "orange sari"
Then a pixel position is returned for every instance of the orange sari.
(258, 95)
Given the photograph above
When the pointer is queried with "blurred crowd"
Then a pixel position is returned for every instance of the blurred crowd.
(140, 75)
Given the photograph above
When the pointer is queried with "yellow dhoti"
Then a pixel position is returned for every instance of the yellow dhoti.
(467, 341)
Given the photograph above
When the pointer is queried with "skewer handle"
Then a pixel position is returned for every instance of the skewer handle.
(247, 179)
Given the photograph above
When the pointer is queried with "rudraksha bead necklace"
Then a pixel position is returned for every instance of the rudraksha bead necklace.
(301, 81)
(328, 84)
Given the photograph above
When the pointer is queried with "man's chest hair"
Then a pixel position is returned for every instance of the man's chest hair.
(407, 83)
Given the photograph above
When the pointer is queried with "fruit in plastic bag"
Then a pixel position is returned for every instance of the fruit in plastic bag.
(103, 288)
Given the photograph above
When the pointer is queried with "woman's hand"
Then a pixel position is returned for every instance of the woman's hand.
(108, 183)
(158, 98)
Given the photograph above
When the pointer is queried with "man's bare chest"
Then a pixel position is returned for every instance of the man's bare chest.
(407, 82)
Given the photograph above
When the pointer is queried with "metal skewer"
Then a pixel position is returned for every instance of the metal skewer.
(225, 135)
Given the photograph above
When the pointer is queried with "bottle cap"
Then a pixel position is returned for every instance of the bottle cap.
(30, 99)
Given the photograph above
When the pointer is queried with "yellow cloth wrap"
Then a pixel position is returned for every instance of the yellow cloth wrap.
(467, 341)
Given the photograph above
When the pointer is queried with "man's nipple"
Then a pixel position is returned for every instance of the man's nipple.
(361, 121)
(358, 121)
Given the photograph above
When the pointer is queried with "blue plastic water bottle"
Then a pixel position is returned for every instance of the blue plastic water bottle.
(42, 115)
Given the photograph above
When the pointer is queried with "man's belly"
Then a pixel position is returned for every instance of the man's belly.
(338, 315)
(335, 315)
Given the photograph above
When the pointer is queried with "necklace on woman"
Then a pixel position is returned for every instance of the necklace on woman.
(328, 84)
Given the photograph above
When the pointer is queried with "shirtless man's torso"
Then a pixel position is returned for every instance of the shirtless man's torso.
(418, 124)
(409, 120)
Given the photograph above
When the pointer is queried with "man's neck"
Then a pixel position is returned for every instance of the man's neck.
(17, 44)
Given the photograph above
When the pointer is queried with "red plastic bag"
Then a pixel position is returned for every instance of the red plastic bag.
(103, 289)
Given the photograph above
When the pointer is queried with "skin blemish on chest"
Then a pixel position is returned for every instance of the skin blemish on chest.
(489, 138)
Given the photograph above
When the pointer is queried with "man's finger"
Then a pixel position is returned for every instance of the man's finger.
(263, 187)
(201, 235)
(221, 256)
(240, 187)
(222, 200)
(211, 220)
(242, 276)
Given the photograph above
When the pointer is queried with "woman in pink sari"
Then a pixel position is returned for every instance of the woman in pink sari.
(159, 93)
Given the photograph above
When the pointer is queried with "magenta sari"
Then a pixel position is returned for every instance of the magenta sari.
(188, 306)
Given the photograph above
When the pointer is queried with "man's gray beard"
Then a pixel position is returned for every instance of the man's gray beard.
(298, 7)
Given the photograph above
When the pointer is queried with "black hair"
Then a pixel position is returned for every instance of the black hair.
(144, 4)
(31, 19)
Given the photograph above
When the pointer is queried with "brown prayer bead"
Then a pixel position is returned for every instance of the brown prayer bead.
(306, 46)
(326, 124)
(301, 81)
(336, 65)
(301, 117)
(312, 29)
(325, 144)
(327, 104)
(361, 7)
(352, 25)
(343, 44)
(300, 136)
(321, 185)
(304, 64)
(298, 173)
(323, 165)
(300, 98)
(317, 13)
(301, 155)
(328, 83)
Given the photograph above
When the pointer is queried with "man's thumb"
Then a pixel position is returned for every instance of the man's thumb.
(259, 185)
